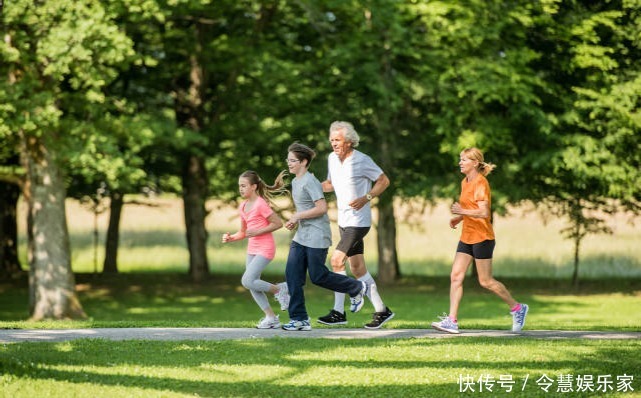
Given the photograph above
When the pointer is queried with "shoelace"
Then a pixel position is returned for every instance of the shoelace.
(444, 317)
(378, 316)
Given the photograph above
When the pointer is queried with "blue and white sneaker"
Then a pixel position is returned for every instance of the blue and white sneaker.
(358, 300)
(297, 325)
(518, 318)
(446, 325)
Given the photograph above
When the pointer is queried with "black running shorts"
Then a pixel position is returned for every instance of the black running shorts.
(351, 242)
(482, 250)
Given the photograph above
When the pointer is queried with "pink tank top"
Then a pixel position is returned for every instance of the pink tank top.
(256, 218)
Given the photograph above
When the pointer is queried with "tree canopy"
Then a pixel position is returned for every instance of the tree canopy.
(183, 95)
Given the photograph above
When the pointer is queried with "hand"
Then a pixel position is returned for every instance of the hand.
(454, 221)
(358, 203)
(456, 208)
(291, 223)
(226, 237)
(250, 233)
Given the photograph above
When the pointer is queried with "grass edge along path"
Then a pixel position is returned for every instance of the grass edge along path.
(273, 367)
(177, 334)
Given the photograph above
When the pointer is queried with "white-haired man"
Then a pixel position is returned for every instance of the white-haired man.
(356, 180)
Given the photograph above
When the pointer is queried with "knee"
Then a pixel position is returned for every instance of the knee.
(318, 277)
(338, 264)
(338, 261)
(247, 281)
(456, 278)
(487, 283)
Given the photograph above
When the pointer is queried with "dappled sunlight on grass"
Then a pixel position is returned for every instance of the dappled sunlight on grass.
(314, 367)
(135, 300)
(166, 310)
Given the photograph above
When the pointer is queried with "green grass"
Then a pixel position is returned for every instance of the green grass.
(316, 367)
(153, 240)
(137, 300)
(307, 367)
(531, 259)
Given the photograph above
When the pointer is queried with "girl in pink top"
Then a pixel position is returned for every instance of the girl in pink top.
(257, 222)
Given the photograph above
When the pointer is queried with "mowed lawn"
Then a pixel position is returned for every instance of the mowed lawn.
(153, 240)
(321, 367)
(153, 290)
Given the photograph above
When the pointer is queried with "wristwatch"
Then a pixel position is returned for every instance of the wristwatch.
(369, 197)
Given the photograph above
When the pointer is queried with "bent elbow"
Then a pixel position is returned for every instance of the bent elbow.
(385, 182)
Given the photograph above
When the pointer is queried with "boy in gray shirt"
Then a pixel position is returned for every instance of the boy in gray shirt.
(308, 250)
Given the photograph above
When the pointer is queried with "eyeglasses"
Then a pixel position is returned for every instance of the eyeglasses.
(292, 160)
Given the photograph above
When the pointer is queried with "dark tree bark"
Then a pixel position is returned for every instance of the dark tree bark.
(110, 265)
(9, 262)
(194, 195)
(194, 174)
(388, 268)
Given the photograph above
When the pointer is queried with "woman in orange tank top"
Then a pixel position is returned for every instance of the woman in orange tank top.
(477, 241)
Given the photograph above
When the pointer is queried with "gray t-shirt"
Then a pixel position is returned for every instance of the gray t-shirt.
(311, 232)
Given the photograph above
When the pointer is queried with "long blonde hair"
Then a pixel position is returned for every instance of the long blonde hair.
(267, 192)
(476, 154)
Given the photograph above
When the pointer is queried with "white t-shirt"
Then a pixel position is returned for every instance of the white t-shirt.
(352, 179)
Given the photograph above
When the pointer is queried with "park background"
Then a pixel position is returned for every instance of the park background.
(124, 125)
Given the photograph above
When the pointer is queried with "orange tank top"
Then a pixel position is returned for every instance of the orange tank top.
(475, 229)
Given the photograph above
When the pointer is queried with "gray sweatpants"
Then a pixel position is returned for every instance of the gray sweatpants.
(254, 267)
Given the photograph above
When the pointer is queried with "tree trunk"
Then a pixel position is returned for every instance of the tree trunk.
(51, 281)
(189, 113)
(110, 265)
(9, 262)
(575, 273)
(194, 196)
(388, 269)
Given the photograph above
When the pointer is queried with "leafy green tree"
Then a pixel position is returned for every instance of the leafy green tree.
(228, 72)
(58, 56)
(590, 165)
(422, 80)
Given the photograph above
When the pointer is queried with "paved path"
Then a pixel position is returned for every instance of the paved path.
(55, 335)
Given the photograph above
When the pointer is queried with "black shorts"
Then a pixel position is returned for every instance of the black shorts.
(482, 250)
(351, 242)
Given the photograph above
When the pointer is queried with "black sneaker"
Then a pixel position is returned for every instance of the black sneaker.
(380, 318)
(333, 318)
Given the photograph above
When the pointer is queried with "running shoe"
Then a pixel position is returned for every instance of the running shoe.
(333, 318)
(358, 300)
(518, 318)
(380, 318)
(446, 325)
(282, 296)
(268, 323)
(297, 325)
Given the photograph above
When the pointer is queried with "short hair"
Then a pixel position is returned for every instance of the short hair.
(348, 130)
(302, 152)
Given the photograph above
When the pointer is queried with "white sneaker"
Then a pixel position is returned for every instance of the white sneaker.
(282, 296)
(268, 323)
(446, 325)
(518, 318)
